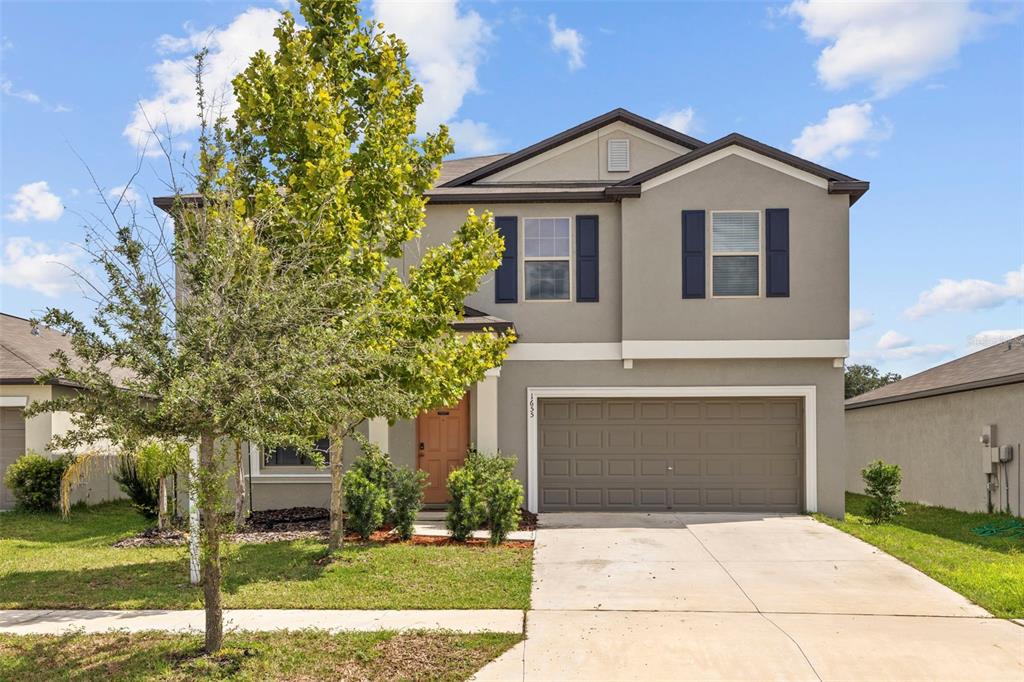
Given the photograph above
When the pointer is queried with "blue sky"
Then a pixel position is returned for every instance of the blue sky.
(925, 101)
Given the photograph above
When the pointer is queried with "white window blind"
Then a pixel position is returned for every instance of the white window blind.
(735, 253)
(618, 155)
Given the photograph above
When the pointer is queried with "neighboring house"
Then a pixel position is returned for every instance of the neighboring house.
(25, 352)
(682, 311)
(931, 424)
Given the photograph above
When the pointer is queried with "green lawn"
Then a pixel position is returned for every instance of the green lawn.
(46, 562)
(937, 541)
(301, 655)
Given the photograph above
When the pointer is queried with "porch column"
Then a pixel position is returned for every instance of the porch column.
(487, 411)
(378, 433)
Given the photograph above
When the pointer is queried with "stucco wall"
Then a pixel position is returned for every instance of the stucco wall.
(517, 376)
(935, 442)
(99, 485)
(544, 321)
(652, 303)
(586, 158)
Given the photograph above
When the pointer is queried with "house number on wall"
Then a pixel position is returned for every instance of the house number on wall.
(531, 407)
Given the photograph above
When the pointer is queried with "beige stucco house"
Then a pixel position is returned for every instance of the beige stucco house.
(947, 428)
(25, 352)
(682, 314)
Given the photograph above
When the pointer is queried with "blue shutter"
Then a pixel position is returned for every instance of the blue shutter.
(693, 254)
(506, 277)
(586, 259)
(777, 251)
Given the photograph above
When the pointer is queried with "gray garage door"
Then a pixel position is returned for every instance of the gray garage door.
(680, 454)
(12, 446)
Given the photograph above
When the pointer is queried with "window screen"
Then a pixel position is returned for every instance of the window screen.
(736, 253)
(285, 455)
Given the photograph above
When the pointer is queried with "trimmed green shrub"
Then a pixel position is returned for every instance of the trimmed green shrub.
(407, 499)
(367, 503)
(35, 481)
(484, 493)
(883, 490)
(374, 464)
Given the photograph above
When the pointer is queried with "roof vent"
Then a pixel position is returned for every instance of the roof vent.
(618, 155)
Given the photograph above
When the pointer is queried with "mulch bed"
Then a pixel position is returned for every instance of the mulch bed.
(301, 523)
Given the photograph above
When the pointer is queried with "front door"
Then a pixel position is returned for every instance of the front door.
(443, 438)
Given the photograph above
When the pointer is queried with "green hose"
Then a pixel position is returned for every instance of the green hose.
(1011, 528)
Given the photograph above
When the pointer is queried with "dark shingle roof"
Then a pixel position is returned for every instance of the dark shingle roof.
(996, 365)
(25, 350)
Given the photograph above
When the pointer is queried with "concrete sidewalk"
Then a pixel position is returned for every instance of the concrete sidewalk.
(26, 622)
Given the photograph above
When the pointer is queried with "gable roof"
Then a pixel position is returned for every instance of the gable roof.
(613, 116)
(996, 365)
(839, 183)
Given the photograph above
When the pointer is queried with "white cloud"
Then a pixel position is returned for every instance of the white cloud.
(991, 337)
(963, 295)
(35, 201)
(859, 319)
(7, 88)
(124, 193)
(28, 264)
(567, 40)
(445, 48)
(893, 339)
(894, 346)
(887, 45)
(842, 129)
(473, 137)
(682, 120)
(173, 106)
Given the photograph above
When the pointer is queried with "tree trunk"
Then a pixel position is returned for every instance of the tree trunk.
(337, 438)
(161, 514)
(209, 499)
(239, 487)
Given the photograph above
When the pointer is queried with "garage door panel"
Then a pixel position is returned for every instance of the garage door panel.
(742, 454)
(589, 467)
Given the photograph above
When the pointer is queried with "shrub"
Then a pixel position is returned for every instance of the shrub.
(484, 493)
(367, 503)
(142, 489)
(883, 490)
(35, 481)
(407, 499)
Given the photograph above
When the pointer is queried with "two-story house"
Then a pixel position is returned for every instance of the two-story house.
(682, 313)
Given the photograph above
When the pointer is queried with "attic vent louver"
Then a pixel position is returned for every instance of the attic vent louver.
(618, 155)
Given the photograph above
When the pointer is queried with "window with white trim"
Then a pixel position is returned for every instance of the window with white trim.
(546, 258)
(735, 253)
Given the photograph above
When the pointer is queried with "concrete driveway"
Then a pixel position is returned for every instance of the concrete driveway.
(678, 596)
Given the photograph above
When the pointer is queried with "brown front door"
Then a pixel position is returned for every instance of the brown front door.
(442, 438)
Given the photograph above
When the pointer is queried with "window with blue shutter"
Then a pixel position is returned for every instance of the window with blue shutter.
(506, 277)
(586, 259)
(693, 254)
(777, 252)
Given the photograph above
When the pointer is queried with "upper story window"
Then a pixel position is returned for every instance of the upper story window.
(618, 155)
(735, 253)
(546, 259)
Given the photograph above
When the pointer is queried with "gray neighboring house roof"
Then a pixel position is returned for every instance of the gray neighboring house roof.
(25, 350)
(996, 365)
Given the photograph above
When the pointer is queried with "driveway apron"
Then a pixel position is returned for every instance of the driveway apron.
(706, 596)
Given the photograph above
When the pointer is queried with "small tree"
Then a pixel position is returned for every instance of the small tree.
(213, 360)
(326, 138)
(863, 378)
(882, 486)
